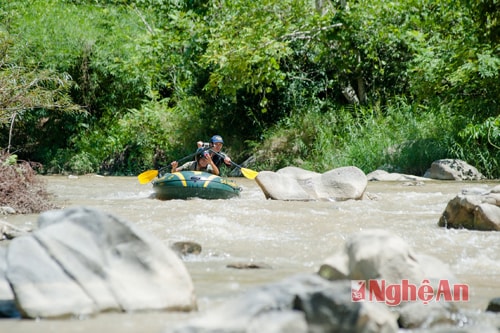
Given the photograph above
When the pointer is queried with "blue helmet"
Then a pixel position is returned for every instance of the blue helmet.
(216, 138)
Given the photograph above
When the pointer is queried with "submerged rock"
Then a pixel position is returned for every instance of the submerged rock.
(185, 248)
(494, 305)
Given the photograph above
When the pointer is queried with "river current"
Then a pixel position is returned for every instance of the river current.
(285, 237)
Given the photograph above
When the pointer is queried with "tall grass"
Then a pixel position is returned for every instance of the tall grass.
(399, 138)
(479, 141)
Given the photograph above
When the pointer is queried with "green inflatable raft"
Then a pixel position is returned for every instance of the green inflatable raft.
(194, 184)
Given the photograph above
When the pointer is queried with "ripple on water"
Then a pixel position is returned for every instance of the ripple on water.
(291, 237)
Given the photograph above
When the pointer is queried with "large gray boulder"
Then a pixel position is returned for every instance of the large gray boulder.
(374, 254)
(380, 256)
(474, 210)
(81, 261)
(453, 169)
(342, 184)
(281, 187)
(301, 304)
(292, 183)
(8, 307)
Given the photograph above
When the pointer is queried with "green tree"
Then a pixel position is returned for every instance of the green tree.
(24, 90)
(316, 80)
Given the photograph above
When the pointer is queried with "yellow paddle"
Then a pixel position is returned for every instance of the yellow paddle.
(147, 176)
(248, 173)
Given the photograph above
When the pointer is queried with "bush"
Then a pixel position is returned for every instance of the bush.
(20, 188)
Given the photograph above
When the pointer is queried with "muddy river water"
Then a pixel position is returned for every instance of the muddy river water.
(289, 237)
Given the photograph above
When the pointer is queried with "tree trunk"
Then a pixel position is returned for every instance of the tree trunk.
(361, 90)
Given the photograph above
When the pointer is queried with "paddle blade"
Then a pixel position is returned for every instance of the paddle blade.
(250, 174)
(147, 176)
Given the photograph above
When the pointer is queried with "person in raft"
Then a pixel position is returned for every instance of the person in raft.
(203, 162)
(215, 147)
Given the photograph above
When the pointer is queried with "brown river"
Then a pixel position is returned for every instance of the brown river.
(289, 237)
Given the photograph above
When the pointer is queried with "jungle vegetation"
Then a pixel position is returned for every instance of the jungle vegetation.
(121, 86)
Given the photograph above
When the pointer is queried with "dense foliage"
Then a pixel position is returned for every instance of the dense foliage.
(124, 86)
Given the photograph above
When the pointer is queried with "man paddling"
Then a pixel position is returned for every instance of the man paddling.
(215, 146)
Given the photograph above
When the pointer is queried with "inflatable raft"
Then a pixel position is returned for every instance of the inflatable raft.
(194, 184)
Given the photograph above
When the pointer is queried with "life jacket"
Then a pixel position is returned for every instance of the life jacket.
(218, 159)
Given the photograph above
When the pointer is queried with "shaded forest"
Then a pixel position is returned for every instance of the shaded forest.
(118, 87)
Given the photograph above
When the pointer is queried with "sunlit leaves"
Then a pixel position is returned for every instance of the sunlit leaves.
(488, 65)
(248, 43)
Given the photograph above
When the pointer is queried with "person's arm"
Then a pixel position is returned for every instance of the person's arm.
(227, 159)
(215, 169)
(201, 144)
(185, 166)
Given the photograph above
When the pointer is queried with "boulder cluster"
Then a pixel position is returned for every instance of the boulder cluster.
(81, 261)
(349, 183)
(474, 208)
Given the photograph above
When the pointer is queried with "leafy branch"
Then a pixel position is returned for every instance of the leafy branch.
(22, 90)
